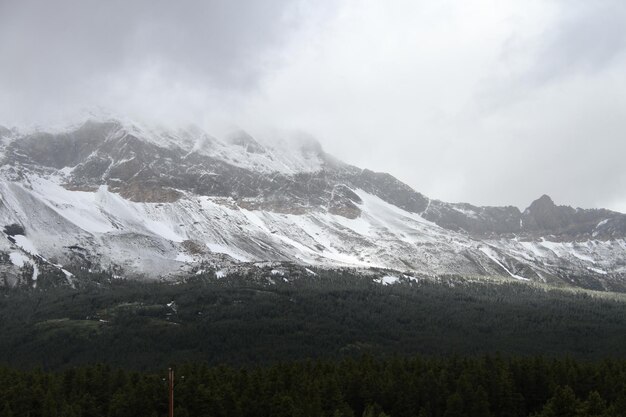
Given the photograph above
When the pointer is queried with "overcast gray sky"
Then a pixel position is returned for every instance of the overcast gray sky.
(492, 102)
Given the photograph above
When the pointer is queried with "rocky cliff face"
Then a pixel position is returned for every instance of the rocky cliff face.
(542, 218)
(131, 162)
(160, 202)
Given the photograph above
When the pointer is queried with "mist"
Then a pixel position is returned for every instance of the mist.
(488, 102)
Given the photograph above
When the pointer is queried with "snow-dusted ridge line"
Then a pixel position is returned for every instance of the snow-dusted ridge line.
(288, 203)
(279, 155)
(382, 236)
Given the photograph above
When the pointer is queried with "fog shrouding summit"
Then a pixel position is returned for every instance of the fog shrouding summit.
(491, 102)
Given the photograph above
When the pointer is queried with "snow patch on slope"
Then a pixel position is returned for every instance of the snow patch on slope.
(25, 243)
(223, 249)
(493, 256)
(18, 259)
(152, 237)
(387, 280)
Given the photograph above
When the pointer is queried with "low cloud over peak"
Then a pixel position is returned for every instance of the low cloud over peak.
(493, 102)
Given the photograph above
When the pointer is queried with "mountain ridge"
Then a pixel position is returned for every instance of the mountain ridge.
(112, 186)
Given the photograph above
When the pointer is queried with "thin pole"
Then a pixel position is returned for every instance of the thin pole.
(171, 389)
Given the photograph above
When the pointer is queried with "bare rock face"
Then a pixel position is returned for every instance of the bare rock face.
(194, 247)
(147, 193)
(142, 170)
(476, 221)
(107, 153)
(62, 149)
(542, 218)
(13, 229)
(343, 202)
(546, 218)
(390, 189)
(543, 214)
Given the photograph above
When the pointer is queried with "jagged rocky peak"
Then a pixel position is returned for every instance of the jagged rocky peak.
(543, 214)
(62, 149)
(148, 193)
(542, 204)
(543, 201)
(477, 221)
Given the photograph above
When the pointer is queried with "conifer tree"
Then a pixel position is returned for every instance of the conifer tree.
(6, 410)
(562, 404)
(454, 406)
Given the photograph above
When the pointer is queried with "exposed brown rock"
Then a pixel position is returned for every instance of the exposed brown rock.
(147, 193)
(107, 153)
(348, 210)
(194, 247)
(81, 187)
(342, 202)
(276, 206)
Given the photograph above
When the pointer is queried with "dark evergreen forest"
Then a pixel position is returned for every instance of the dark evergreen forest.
(333, 344)
(417, 386)
(246, 320)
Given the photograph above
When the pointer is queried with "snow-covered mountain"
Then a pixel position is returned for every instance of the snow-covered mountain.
(158, 202)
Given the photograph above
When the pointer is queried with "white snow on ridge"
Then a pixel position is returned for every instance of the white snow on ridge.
(284, 158)
(602, 223)
(92, 212)
(468, 213)
(148, 237)
(78, 207)
(585, 258)
(388, 280)
(25, 243)
(493, 256)
(244, 235)
(600, 257)
(224, 249)
(282, 153)
(556, 247)
(597, 270)
(18, 259)
(155, 238)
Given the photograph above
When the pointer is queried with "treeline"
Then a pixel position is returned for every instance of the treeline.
(422, 387)
(335, 314)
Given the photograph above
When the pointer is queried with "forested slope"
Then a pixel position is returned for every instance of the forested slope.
(246, 320)
(453, 387)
